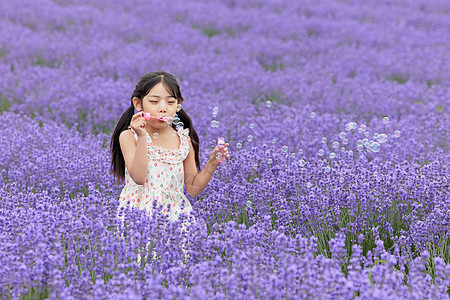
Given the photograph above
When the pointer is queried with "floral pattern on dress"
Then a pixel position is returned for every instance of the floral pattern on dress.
(164, 182)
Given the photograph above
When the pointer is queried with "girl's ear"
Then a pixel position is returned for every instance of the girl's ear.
(137, 103)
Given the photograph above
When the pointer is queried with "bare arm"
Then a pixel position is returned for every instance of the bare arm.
(135, 152)
(195, 182)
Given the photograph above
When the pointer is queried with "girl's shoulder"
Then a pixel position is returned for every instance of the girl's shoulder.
(127, 136)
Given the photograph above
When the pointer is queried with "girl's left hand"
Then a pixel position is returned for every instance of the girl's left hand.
(212, 156)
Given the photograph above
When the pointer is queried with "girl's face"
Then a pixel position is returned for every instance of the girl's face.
(158, 102)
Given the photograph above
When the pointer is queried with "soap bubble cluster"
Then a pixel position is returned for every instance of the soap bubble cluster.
(215, 123)
(215, 111)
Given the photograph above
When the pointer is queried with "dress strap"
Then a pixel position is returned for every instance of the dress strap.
(183, 133)
(135, 135)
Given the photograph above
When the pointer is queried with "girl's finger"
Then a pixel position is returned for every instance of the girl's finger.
(136, 115)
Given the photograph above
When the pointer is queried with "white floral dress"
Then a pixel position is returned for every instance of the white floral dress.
(164, 182)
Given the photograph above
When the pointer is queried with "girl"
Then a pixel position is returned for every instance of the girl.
(151, 156)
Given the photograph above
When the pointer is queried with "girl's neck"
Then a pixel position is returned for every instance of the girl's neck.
(160, 131)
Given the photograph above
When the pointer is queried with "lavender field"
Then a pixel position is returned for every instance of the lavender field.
(337, 113)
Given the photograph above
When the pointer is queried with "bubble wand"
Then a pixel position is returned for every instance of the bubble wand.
(221, 154)
(166, 119)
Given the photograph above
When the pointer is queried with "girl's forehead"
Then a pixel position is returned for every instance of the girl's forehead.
(159, 90)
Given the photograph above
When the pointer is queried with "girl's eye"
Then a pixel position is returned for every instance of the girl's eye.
(171, 102)
(154, 101)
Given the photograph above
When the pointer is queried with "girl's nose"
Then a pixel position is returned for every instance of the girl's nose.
(162, 105)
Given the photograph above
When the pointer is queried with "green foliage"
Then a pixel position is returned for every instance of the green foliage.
(5, 104)
(312, 33)
(210, 31)
(398, 78)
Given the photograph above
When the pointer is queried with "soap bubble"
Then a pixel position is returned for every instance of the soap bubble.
(360, 148)
(366, 133)
(320, 152)
(155, 135)
(308, 184)
(332, 155)
(284, 148)
(312, 114)
(359, 142)
(397, 133)
(335, 145)
(342, 135)
(341, 180)
(382, 138)
(327, 169)
(375, 147)
(301, 162)
(274, 141)
(249, 138)
(342, 149)
(324, 140)
(239, 145)
(180, 124)
(300, 151)
(375, 135)
(345, 141)
(251, 125)
(215, 109)
(268, 103)
(293, 154)
(350, 126)
(215, 123)
(350, 152)
(248, 203)
(385, 120)
(218, 155)
(363, 127)
(269, 161)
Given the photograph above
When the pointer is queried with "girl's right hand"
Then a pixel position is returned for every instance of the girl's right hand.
(138, 124)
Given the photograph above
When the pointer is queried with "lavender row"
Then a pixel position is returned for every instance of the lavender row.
(402, 205)
(71, 250)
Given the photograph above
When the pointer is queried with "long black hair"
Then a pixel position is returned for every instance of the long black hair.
(143, 87)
